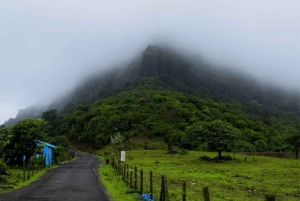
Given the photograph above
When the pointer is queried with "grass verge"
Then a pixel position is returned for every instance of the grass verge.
(15, 181)
(115, 185)
(246, 178)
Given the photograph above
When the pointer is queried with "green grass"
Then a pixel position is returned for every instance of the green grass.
(115, 185)
(230, 180)
(15, 181)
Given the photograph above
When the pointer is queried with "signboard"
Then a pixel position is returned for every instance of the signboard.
(123, 156)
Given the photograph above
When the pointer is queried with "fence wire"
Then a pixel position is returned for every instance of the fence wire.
(175, 186)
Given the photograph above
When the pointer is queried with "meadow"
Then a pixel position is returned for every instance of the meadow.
(246, 178)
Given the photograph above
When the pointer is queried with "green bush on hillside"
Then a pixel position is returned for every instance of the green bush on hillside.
(3, 169)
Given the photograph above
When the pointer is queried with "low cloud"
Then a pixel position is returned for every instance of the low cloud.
(46, 47)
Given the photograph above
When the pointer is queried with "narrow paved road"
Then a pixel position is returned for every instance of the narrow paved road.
(73, 181)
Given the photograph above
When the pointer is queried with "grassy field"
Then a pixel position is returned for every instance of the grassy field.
(15, 178)
(231, 180)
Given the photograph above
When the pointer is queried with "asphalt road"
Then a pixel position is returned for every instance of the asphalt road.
(76, 180)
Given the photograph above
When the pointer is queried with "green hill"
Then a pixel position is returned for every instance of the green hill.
(148, 110)
(179, 73)
(161, 93)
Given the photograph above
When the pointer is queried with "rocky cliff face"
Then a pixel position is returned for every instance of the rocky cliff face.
(176, 72)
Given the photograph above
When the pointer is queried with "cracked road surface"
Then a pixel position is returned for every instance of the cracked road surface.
(76, 180)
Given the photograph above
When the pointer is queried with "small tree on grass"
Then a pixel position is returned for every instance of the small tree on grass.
(172, 138)
(218, 135)
(118, 145)
(294, 141)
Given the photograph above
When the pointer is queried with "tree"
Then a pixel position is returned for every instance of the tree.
(51, 117)
(117, 141)
(22, 141)
(294, 141)
(218, 135)
(171, 138)
(4, 138)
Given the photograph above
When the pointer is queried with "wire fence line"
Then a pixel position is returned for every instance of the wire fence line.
(38, 162)
(157, 186)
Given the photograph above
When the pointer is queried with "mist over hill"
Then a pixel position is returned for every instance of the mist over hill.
(174, 72)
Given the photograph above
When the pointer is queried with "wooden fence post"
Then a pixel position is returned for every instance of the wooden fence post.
(151, 186)
(124, 169)
(124, 173)
(141, 183)
(33, 166)
(127, 175)
(269, 198)
(131, 177)
(117, 167)
(206, 194)
(43, 162)
(40, 162)
(28, 167)
(135, 177)
(120, 168)
(184, 190)
(23, 170)
(164, 194)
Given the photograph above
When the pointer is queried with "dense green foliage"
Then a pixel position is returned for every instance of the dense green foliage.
(167, 114)
(19, 140)
(3, 169)
(175, 73)
(218, 135)
(51, 117)
(22, 140)
(161, 94)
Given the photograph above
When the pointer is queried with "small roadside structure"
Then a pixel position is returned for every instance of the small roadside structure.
(47, 151)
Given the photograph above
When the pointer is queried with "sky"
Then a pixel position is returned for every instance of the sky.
(47, 46)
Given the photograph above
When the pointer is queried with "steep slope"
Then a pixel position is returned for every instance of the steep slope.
(176, 73)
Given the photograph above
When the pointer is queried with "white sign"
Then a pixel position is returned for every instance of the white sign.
(123, 156)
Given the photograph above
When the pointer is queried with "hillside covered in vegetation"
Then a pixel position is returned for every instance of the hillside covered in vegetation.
(148, 110)
(166, 96)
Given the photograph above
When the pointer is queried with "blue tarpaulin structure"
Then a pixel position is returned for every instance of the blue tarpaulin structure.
(47, 151)
(146, 197)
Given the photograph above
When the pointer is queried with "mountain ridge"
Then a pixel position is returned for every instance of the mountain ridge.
(178, 73)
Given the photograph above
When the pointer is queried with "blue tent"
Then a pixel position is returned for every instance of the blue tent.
(47, 151)
(146, 197)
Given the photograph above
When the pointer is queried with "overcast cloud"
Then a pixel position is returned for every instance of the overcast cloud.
(47, 46)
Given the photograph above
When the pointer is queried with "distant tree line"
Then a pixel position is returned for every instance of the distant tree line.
(179, 119)
(190, 119)
(19, 140)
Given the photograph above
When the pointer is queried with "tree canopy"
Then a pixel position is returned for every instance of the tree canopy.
(218, 135)
(22, 140)
(167, 114)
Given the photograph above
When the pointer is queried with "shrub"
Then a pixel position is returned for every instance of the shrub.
(183, 151)
(3, 169)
